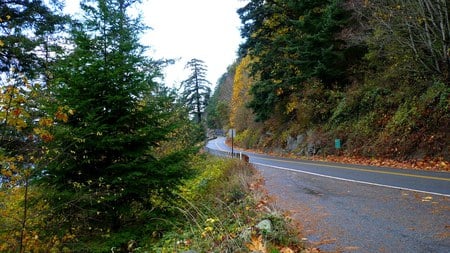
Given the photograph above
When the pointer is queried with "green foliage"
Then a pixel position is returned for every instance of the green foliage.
(286, 39)
(436, 98)
(393, 123)
(124, 140)
(369, 73)
(218, 211)
(247, 138)
(218, 109)
(282, 233)
(212, 206)
(27, 31)
(24, 38)
(403, 119)
(26, 50)
(38, 236)
(217, 112)
(209, 180)
(359, 101)
(419, 125)
(196, 91)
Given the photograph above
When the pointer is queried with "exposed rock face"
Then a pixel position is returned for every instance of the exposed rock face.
(308, 144)
(294, 143)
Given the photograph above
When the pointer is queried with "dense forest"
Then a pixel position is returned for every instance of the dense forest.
(373, 75)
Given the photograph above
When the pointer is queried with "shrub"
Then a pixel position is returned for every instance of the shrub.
(247, 138)
(219, 212)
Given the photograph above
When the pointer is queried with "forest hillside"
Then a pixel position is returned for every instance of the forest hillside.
(360, 78)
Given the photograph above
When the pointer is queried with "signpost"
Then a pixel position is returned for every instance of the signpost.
(232, 134)
(337, 143)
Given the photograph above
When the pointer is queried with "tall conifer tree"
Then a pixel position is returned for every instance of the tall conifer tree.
(25, 29)
(196, 91)
(106, 159)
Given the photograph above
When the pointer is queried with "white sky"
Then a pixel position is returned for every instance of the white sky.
(184, 29)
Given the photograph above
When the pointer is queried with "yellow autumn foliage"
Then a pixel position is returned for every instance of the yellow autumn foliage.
(35, 237)
(23, 212)
(240, 116)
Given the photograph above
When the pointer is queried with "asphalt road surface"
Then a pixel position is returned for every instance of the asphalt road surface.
(351, 208)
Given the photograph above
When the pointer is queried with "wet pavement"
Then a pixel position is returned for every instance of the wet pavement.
(341, 216)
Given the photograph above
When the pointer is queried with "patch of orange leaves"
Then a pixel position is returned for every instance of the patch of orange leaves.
(256, 244)
(437, 164)
(431, 164)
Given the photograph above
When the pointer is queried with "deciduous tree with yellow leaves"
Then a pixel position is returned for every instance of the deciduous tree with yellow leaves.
(241, 117)
(24, 126)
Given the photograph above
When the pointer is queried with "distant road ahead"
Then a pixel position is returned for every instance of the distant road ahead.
(436, 183)
(351, 208)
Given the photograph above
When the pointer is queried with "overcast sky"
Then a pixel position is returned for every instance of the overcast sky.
(184, 29)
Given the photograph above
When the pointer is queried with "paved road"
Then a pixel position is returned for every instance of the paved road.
(350, 208)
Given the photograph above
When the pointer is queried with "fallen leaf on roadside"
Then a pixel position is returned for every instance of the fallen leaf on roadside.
(256, 244)
(427, 199)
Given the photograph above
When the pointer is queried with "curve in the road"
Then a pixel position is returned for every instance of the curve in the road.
(411, 180)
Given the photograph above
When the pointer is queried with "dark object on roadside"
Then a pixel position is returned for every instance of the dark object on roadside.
(245, 158)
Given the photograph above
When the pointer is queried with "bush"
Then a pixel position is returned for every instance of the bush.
(418, 126)
(219, 211)
(212, 208)
(247, 139)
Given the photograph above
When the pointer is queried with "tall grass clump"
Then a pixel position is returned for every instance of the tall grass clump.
(219, 209)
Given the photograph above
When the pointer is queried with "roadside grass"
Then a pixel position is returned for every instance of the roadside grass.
(220, 212)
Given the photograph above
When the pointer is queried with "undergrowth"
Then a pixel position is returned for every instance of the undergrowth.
(216, 210)
(220, 210)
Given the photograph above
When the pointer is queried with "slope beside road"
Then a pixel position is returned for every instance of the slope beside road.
(430, 182)
(351, 208)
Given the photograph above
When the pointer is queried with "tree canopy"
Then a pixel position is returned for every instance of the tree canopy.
(291, 42)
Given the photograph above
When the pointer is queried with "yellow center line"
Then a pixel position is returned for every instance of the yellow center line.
(363, 170)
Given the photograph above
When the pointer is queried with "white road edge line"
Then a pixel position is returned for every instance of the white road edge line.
(351, 180)
(343, 179)
(218, 147)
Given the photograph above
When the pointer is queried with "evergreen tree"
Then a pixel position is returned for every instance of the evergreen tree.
(196, 92)
(218, 109)
(26, 29)
(106, 159)
(291, 42)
